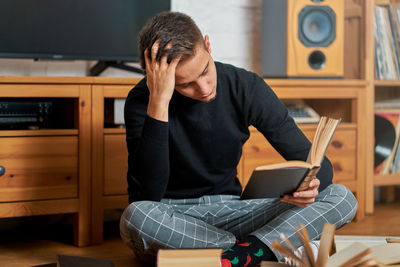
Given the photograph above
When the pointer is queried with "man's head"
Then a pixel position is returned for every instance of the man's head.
(169, 27)
(177, 35)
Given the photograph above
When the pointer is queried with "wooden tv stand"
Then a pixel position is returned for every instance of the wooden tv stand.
(81, 169)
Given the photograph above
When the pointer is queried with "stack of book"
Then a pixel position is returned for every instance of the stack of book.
(387, 41)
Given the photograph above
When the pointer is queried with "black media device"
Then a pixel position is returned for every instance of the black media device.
(25, 114)
(101, 30)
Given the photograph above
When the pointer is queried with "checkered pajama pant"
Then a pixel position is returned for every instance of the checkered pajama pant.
(217, 221)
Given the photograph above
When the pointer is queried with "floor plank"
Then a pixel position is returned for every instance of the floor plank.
(23, 249)
(384, 222)
(38, 252)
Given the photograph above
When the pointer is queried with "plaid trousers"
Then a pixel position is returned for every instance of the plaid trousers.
(216, 221)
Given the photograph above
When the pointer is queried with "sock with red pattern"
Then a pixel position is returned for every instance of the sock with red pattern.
(247, 252)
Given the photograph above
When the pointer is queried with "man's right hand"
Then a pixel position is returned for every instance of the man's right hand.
(160, 81)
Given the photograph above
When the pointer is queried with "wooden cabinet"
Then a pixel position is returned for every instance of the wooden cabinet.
(47, 171)
(82, 167)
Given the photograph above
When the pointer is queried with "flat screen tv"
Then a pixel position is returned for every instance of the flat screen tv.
(103, 30)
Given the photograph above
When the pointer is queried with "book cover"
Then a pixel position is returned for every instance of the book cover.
(189, 257)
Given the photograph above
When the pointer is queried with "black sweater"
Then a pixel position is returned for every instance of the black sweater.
(197, 151)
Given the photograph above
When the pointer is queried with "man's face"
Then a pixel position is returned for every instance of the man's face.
(196, 77)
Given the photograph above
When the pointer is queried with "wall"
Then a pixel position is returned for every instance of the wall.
(233, 27)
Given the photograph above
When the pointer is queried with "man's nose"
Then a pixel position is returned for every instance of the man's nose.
(203, 87)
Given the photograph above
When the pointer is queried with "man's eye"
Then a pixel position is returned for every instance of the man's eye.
(185, 85)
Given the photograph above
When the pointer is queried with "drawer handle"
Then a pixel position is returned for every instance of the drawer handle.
(2, 170)
(337, 167)
(255, 148)
(337, 144)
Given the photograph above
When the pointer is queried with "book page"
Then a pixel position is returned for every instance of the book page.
(352, 253)
(326, 243)
(387, 253)
(315, 141)
(287, 164)
(323, 137)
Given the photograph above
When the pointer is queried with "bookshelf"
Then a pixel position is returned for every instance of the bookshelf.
(386, 83)
(376, 90)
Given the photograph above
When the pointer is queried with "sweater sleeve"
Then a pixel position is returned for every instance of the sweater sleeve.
(270, 116)
(148, 149)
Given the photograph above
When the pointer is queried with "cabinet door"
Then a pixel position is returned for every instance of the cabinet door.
(39, 168)
(115, 164)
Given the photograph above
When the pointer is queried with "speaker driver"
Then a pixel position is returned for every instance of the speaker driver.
(317, 26)
(317, 60)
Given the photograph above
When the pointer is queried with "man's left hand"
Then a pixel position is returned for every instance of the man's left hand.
(303, 198)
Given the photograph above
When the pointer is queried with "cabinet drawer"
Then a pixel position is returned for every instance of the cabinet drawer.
(38, 168)
(257, 151)
(115, 164)
(342, 154)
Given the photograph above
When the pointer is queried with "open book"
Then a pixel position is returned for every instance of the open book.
(307, 259)
(355, 255)
(275, 180)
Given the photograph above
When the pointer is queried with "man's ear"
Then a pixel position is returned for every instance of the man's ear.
(207, 43)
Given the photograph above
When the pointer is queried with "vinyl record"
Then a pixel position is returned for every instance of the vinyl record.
(385, 136)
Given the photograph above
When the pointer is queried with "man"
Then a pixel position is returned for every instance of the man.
(186, 123)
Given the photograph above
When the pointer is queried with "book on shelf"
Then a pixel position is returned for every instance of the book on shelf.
(301, 112)
(392, 102)
(387, 47)
(394, 12)
(275, 180)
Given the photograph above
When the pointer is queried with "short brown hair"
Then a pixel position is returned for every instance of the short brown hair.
(174, 27)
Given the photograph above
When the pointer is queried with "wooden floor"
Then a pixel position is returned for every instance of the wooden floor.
(30, 250)
(384, 222)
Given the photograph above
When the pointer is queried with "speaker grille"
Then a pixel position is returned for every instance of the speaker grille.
(317, 26)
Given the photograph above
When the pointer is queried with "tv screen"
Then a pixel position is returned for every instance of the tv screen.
(74, 29)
